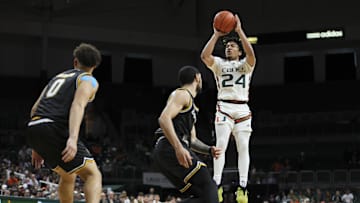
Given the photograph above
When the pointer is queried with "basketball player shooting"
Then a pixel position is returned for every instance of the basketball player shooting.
(233, 115)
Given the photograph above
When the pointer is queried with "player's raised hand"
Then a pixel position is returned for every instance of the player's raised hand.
(219, 33)
(238, 23)
(183, 156)
(70, 150)
(216, 152)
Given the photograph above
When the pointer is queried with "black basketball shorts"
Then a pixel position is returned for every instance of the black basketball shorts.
(49, 140)
(166, 161)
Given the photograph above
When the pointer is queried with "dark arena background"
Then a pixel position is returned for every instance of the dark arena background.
(304, 93)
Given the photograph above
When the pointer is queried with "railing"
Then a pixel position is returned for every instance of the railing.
(302, 179)
(10, 199)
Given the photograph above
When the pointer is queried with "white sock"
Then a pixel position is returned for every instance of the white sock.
(243, 183)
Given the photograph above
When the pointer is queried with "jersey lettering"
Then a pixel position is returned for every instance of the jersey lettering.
(65, 75)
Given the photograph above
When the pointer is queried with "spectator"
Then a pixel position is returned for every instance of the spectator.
(12, 180)
(31, 180)
(170, 199)
(103, 198)
(327, 196)
(336, 198)
(124, 197)
(156, 198)
(27, 193)
(348, 197)
(112, 197)
(140, 197)
(293, 196)
(319, 196)
(309, 194)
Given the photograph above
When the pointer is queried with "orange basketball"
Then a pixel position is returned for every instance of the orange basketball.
(224, 21)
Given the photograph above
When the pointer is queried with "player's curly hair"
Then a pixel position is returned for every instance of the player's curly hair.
(232, 38)
(87, 55)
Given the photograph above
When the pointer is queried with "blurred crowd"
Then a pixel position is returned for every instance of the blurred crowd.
(19, 179)
(151, 196)
(309, 195)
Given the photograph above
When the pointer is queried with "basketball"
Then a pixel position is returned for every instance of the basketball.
(224, 21)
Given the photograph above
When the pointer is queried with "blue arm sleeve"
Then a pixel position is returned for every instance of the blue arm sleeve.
(91, 79)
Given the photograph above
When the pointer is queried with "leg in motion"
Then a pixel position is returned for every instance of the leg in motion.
(223, 131)
(203, 188)
(222, 140)
(242, 133)
(91, 176)
(66, 185)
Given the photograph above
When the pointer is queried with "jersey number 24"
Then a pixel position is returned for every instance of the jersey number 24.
(228, 80)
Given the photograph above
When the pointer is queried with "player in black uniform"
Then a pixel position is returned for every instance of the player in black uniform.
(55, 123)
(173, 150)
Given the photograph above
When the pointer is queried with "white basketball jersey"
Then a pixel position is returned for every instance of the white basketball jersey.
(232, 78)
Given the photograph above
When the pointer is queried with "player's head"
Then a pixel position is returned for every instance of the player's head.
(86, 56)
(233, 48)
(188, 75)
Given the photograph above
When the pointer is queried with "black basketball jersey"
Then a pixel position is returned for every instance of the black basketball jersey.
(184, 121)
(58, 96)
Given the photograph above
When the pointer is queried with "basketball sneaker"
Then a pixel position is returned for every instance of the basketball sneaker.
(220, 194)
(241, 195)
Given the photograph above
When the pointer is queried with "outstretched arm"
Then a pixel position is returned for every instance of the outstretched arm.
(250, 55)
(200, 147)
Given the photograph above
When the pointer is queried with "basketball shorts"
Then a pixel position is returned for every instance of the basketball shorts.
(229, 114)
(165, 159)
(49, 140)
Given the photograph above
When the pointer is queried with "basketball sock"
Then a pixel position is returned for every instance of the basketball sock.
(243, 182)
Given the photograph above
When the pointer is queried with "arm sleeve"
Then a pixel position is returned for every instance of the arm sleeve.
(89, 78)
(200, 147)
